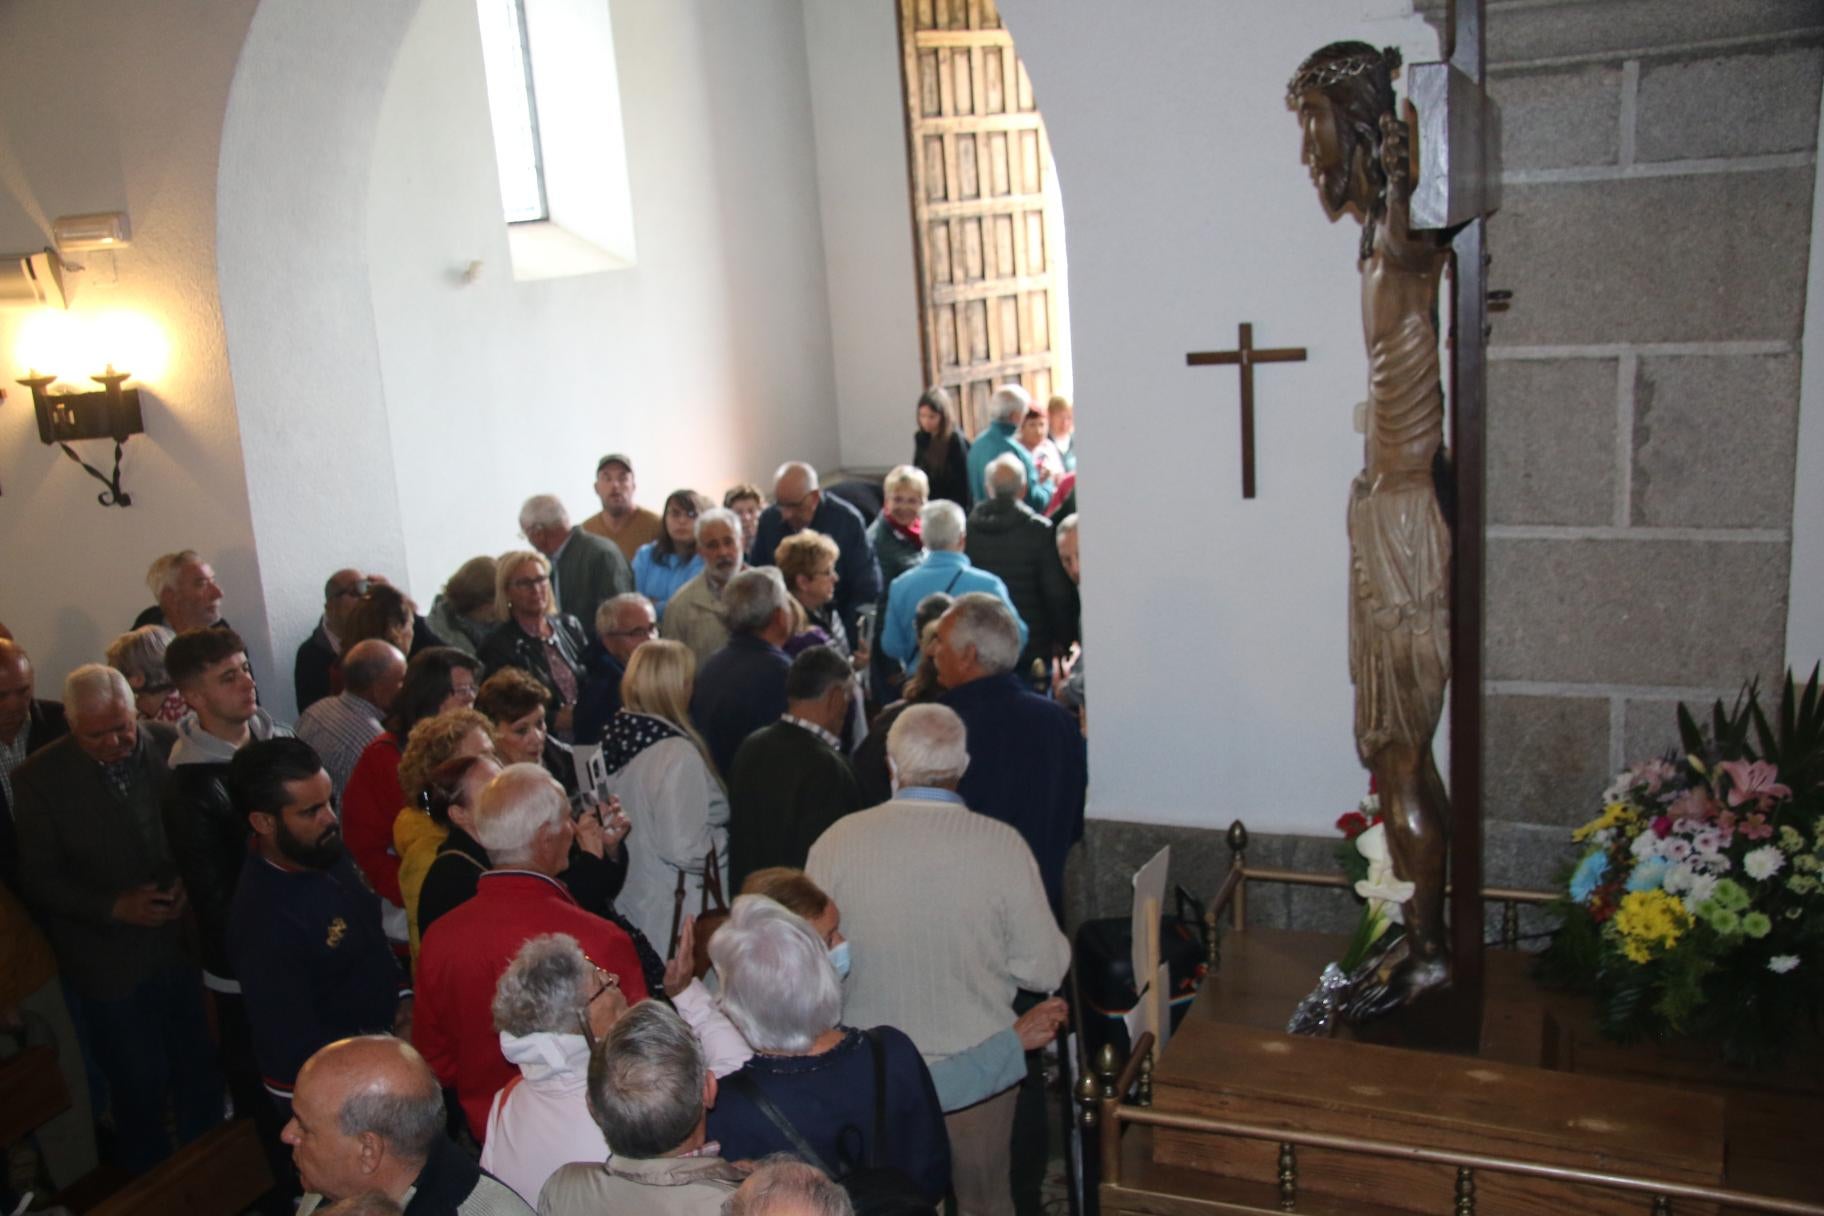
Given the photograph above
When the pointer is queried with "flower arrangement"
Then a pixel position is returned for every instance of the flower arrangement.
(1696, 906)
(1368, 865)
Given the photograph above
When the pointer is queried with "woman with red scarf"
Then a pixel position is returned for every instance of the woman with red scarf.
(895, 531)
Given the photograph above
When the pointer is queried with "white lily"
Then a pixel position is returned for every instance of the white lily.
(1384, 889)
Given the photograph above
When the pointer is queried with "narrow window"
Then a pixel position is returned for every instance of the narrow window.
(511, 105)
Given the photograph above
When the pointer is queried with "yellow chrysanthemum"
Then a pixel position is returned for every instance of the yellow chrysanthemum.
(1616, 814)
(1648, 921)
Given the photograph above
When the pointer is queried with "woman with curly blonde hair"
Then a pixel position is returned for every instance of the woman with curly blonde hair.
(416, 835)
(807, 563)
(659, 767)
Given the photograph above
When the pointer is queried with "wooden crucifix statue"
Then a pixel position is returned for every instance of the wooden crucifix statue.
(1359, 154)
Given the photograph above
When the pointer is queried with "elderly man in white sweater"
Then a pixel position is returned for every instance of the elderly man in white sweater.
(983, 929)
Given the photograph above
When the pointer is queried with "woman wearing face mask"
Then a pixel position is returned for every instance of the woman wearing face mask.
(962, 1079)
(827, 1079)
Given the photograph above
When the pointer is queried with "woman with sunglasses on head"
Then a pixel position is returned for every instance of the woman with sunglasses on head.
(534, 636)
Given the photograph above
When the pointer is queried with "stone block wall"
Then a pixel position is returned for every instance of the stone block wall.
(1644, 389)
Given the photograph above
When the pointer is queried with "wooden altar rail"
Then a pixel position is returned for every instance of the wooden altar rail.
(1114, 1113)
(1233, 894)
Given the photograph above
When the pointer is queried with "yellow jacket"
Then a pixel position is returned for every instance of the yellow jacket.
(416, 837)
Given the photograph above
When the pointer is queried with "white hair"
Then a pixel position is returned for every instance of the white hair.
(719, 515)
(907, 475)
(929, 745)
(1009, 404)
(513, 808)
(984, 622)
(543, 988)
(782, 1185)
(1067, 525)
(797, 466)
(1006, 476)
(543, 511)
(608, 614)
(779, 987)
(95, 685)
(942, 525)
(751, 598)
(162, 575)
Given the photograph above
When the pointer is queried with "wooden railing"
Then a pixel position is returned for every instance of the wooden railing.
(1107, 1108)
(1233, 894)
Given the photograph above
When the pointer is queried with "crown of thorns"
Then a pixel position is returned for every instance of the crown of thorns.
(1323, 74)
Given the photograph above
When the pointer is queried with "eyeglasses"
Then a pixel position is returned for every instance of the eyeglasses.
(526, 584)
(353, 591)
(607, 980)
(465, 692)
(639, 631)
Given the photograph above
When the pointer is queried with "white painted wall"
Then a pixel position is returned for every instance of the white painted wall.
(709, 361)
(1216, 628)
(1805, 599)
(138, 136)
(858, 113)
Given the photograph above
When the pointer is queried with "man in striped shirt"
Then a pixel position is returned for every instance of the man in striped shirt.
(341, 727)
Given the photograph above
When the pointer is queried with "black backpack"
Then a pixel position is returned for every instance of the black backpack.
(874, 1189)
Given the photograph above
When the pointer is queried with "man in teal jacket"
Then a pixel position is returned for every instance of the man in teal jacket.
(1007, 409)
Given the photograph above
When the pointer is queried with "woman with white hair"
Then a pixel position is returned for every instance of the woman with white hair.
(551, 1007)
(895, 531)
(535, 636)
(780, 989)
(659, 767)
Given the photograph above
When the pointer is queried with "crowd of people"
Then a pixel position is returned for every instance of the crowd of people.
(707, 859)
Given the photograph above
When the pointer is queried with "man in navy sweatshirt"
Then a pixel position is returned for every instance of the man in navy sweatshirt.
(304, 931)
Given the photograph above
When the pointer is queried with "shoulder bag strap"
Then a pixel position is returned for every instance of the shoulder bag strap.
(880, 1095)
(677, 916)
(712, 883)
(748, 1088)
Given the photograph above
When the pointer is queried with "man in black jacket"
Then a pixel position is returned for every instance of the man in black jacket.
(305, 937)
(798, 504)
(790, 780)
(742, 686)
(26, 724)
(209, 840)
(1008, 538)
(97, 872)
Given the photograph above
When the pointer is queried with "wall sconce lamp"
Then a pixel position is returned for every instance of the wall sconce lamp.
(112, 412)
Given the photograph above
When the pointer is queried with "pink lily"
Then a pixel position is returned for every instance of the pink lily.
(1753, 782)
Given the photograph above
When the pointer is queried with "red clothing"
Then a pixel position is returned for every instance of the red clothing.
(370, 803)
(463, 957)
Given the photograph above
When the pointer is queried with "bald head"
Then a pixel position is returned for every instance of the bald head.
(374, 670)
(15, 689)
(365, 1115)
(796, 493)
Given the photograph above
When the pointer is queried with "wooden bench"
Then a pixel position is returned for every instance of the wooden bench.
(221, 1174)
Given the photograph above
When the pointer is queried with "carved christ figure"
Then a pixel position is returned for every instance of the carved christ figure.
(1399, 546)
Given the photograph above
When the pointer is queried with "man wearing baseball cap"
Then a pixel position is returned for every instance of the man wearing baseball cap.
(619, 520)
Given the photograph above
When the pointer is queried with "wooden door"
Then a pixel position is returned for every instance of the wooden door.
(988, 227)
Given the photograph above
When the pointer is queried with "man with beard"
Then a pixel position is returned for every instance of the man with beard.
(304, 932)
(694, 613)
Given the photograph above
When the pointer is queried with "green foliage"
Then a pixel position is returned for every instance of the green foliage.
(1574, 956)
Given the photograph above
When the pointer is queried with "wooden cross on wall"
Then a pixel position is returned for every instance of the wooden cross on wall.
(1246, 356)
